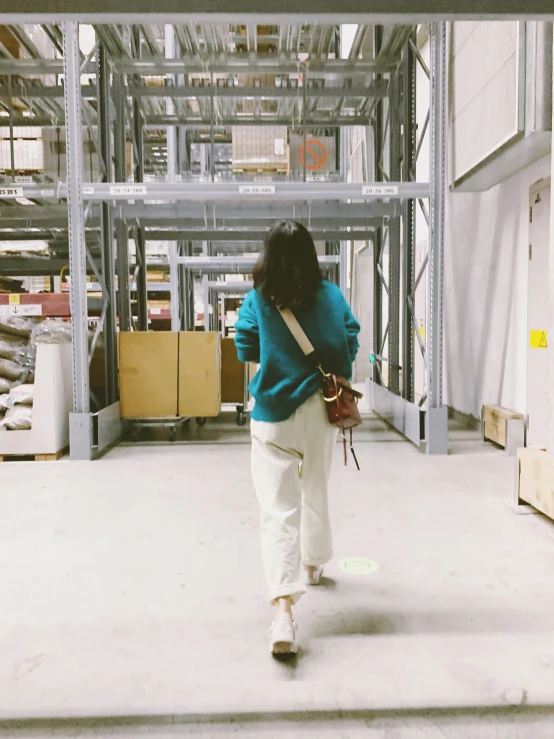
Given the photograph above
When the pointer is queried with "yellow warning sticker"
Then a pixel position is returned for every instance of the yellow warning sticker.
(358, 566)
(538, 339)
(14, 299)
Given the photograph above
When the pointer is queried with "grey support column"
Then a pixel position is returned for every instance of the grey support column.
(122, 231)
(80, 420)
(437, 425)
(107, 235)
(408, 217)
(378, 238)
(140, 243)
(394, 239)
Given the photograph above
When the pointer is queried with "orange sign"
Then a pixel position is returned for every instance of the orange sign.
(314, 152)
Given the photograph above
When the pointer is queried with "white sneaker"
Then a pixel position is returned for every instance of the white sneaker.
(315, 577)
(282, 633)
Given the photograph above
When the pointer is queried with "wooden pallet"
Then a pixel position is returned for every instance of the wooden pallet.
(503, 427)
(32, 457)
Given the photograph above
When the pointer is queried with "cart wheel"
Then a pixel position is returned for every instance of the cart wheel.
(172, 433)
(201, 421)
(241, 419)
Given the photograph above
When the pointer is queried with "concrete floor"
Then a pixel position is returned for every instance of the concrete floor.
(133, 587)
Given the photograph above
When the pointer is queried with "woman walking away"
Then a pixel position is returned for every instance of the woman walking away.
(292, 440)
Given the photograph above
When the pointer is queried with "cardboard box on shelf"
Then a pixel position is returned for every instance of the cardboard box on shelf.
(148, 374)
(199, 374)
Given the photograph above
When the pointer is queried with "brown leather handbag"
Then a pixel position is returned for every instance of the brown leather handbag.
(340, 397)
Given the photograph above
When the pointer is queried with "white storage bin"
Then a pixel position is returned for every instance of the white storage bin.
(53, 402)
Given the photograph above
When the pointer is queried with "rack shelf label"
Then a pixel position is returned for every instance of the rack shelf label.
(88, 190)
(128, 190)
(15, 309)
(11, 192)
(380, 190)
(256, 189)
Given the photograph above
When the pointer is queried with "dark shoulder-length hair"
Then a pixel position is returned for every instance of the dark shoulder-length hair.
(287, 273)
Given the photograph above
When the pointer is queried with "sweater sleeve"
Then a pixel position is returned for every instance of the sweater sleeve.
(247, 337)
(352, 330)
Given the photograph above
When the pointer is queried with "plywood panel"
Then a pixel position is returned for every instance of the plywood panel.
(148, 373)
(199, 374)
(495, 418)
(232, 373)
(536, 479)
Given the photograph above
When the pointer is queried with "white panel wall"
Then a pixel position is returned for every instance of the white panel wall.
(485, 286)
(485, 273)
(484, 100)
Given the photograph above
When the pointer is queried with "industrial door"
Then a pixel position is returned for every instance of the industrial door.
(537, 314)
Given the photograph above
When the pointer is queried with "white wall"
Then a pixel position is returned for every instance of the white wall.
(485, 289)
(485, 284)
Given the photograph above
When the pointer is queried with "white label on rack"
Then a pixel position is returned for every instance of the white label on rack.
(156, 311)
(21, 310)
(88, 190)
(256, 189)
(24, 180)
(48, 193)
(128, 190)
(380, 190)
(11, 192)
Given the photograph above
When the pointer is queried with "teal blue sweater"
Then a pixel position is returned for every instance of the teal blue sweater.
(286, 378)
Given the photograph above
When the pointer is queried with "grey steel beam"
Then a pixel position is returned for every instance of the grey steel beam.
(230, 265)
(222, 235)
(322, 121)
(80, 420)
(107, 234)
(25, 67)
(410, 153)
(394, 239)
(216, 191)
(138, 154)
(323, 12)
(436, 432)
(32, 92)
(189, 91)
(31, 266)
(231, 287)
(378, 118)
(122, 231)
(246, 64)
(349, 214)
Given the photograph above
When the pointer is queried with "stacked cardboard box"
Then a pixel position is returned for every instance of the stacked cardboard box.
(164, 374)
(260, 148)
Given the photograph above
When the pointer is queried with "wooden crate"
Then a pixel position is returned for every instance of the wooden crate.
(503, 427)
(535, 480)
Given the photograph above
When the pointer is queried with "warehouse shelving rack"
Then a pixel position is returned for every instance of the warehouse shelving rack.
(142, 82)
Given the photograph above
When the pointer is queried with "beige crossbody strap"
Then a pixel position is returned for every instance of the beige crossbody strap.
(297, 331)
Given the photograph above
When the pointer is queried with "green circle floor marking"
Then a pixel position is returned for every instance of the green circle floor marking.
(358, 566)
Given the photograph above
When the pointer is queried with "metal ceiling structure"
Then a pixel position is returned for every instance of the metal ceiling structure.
(143, 96)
